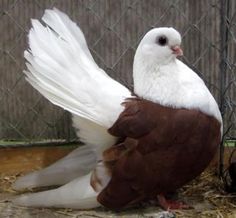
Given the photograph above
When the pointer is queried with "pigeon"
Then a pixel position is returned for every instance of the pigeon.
(139, 145)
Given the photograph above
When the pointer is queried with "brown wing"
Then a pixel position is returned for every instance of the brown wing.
(134, 121)
(159, 153)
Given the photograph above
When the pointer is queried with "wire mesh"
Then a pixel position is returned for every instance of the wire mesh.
(113, 28)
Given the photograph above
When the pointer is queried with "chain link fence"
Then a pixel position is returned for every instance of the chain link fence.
(113, 29)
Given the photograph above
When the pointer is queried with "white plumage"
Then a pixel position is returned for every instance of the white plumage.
(93, 134)
(76, 194)
(62, 69)
(78, 163)
(161, 78)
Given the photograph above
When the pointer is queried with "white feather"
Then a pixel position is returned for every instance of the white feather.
(76, 164)
(61, 67)
(63, 70)
(77, 194)
(93, 134)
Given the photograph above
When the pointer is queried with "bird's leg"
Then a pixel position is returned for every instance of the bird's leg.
(171, 204)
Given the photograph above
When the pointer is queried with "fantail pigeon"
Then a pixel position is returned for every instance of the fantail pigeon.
(138, 146)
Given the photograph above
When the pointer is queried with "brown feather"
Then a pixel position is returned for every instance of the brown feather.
(163, 149)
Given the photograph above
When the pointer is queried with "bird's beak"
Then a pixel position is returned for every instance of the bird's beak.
(177, 50)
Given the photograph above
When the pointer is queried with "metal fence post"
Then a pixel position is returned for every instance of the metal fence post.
(224, 12)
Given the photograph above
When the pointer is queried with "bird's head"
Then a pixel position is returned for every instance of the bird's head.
(160, 45)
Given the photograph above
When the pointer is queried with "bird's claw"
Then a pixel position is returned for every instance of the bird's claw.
(171, 204)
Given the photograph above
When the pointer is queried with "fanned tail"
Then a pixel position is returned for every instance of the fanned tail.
(61, 68)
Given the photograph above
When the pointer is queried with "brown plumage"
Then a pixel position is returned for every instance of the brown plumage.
(162, 149)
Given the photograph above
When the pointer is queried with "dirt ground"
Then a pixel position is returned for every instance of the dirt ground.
(205, 194)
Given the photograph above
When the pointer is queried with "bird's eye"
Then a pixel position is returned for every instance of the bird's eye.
(162, 40)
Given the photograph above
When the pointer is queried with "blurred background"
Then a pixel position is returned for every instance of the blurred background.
(113, 29)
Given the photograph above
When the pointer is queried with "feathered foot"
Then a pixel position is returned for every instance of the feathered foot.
(77, 194)
(77, 163)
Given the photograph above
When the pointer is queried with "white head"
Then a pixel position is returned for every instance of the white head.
(159, 77)
(160, 46)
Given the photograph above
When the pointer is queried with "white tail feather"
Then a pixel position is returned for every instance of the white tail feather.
(66, 29)
(61, 67)
(77, 194)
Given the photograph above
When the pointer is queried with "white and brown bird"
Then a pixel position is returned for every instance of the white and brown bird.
(137, 147)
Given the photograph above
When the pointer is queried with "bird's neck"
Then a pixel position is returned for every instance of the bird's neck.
(153, 80)
(166, 84)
